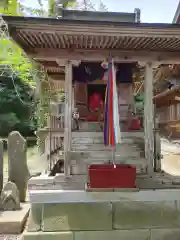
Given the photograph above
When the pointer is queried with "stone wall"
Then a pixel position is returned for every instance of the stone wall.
(123, 220)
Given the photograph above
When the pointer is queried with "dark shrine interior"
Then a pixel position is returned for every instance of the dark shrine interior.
(96, 88)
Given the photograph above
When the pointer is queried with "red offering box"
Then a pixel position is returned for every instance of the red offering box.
(108, 176)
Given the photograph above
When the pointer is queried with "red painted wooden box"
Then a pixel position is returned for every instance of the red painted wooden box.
(108, 176)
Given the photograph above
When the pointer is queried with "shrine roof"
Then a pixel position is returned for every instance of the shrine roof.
(167, 98)
(41, 33)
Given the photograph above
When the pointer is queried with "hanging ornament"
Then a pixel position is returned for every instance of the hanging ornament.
(104, 64)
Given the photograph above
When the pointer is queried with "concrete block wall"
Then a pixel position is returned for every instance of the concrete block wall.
(123, 220)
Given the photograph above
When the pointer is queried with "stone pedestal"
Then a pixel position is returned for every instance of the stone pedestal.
(140, 215)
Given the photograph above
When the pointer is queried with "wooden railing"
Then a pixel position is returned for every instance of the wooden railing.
(56, 123)
(54, 145)
(168, 113)
(169, 119)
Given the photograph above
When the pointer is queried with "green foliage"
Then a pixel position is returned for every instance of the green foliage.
(18, 8)
(17, 108)
(11, 55)
(139, 103)
(69, 3)
(44, 102)
(11, 7)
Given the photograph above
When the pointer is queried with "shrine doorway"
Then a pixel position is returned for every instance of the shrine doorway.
(96, 88)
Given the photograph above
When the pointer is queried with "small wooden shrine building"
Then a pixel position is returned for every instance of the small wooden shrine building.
(69, 45)
(72, 49)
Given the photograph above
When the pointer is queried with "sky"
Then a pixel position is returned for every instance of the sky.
(153, 11)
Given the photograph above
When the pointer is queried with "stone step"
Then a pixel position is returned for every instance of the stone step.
(106, 155)
(129, 234)
(100, 147)
(89, 134)
(100, 140)
(142, 215)
(89, 126)
(81, 166)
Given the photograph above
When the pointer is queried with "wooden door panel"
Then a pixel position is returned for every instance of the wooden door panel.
(81, 100)
(125, 99)
(81, 93)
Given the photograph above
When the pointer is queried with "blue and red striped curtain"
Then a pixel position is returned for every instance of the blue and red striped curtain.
(112, 134)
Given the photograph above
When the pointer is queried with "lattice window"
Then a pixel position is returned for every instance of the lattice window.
(172, 112)
(178, 111)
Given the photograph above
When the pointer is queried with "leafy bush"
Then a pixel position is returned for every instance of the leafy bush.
(17, 107)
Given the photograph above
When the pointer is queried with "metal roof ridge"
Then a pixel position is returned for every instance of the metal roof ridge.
(17, 19)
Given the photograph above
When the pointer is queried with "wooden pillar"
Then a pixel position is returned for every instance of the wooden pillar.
(68, 117)
(157, 143)
(148, 118)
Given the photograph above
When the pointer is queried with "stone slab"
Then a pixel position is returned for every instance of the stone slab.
(134, 215)
(88, 189)
(41, 180)
(73, 196)
(47, 236)
(35, 218)
(71, 178)
(126, 189)
(114, 235)
(165, 234)
(77, 216)
(12, 222)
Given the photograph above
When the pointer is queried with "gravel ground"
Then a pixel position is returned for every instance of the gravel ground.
(171, 157)
(10, 237)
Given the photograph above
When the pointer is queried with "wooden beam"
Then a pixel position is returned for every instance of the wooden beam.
(148, 118)
(56, 76)
(98, 55)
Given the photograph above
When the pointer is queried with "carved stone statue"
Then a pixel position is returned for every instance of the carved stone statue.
(9, 198)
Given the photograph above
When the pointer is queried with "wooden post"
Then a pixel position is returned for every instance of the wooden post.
(148, 118)
(68, 117)
(157, 144)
